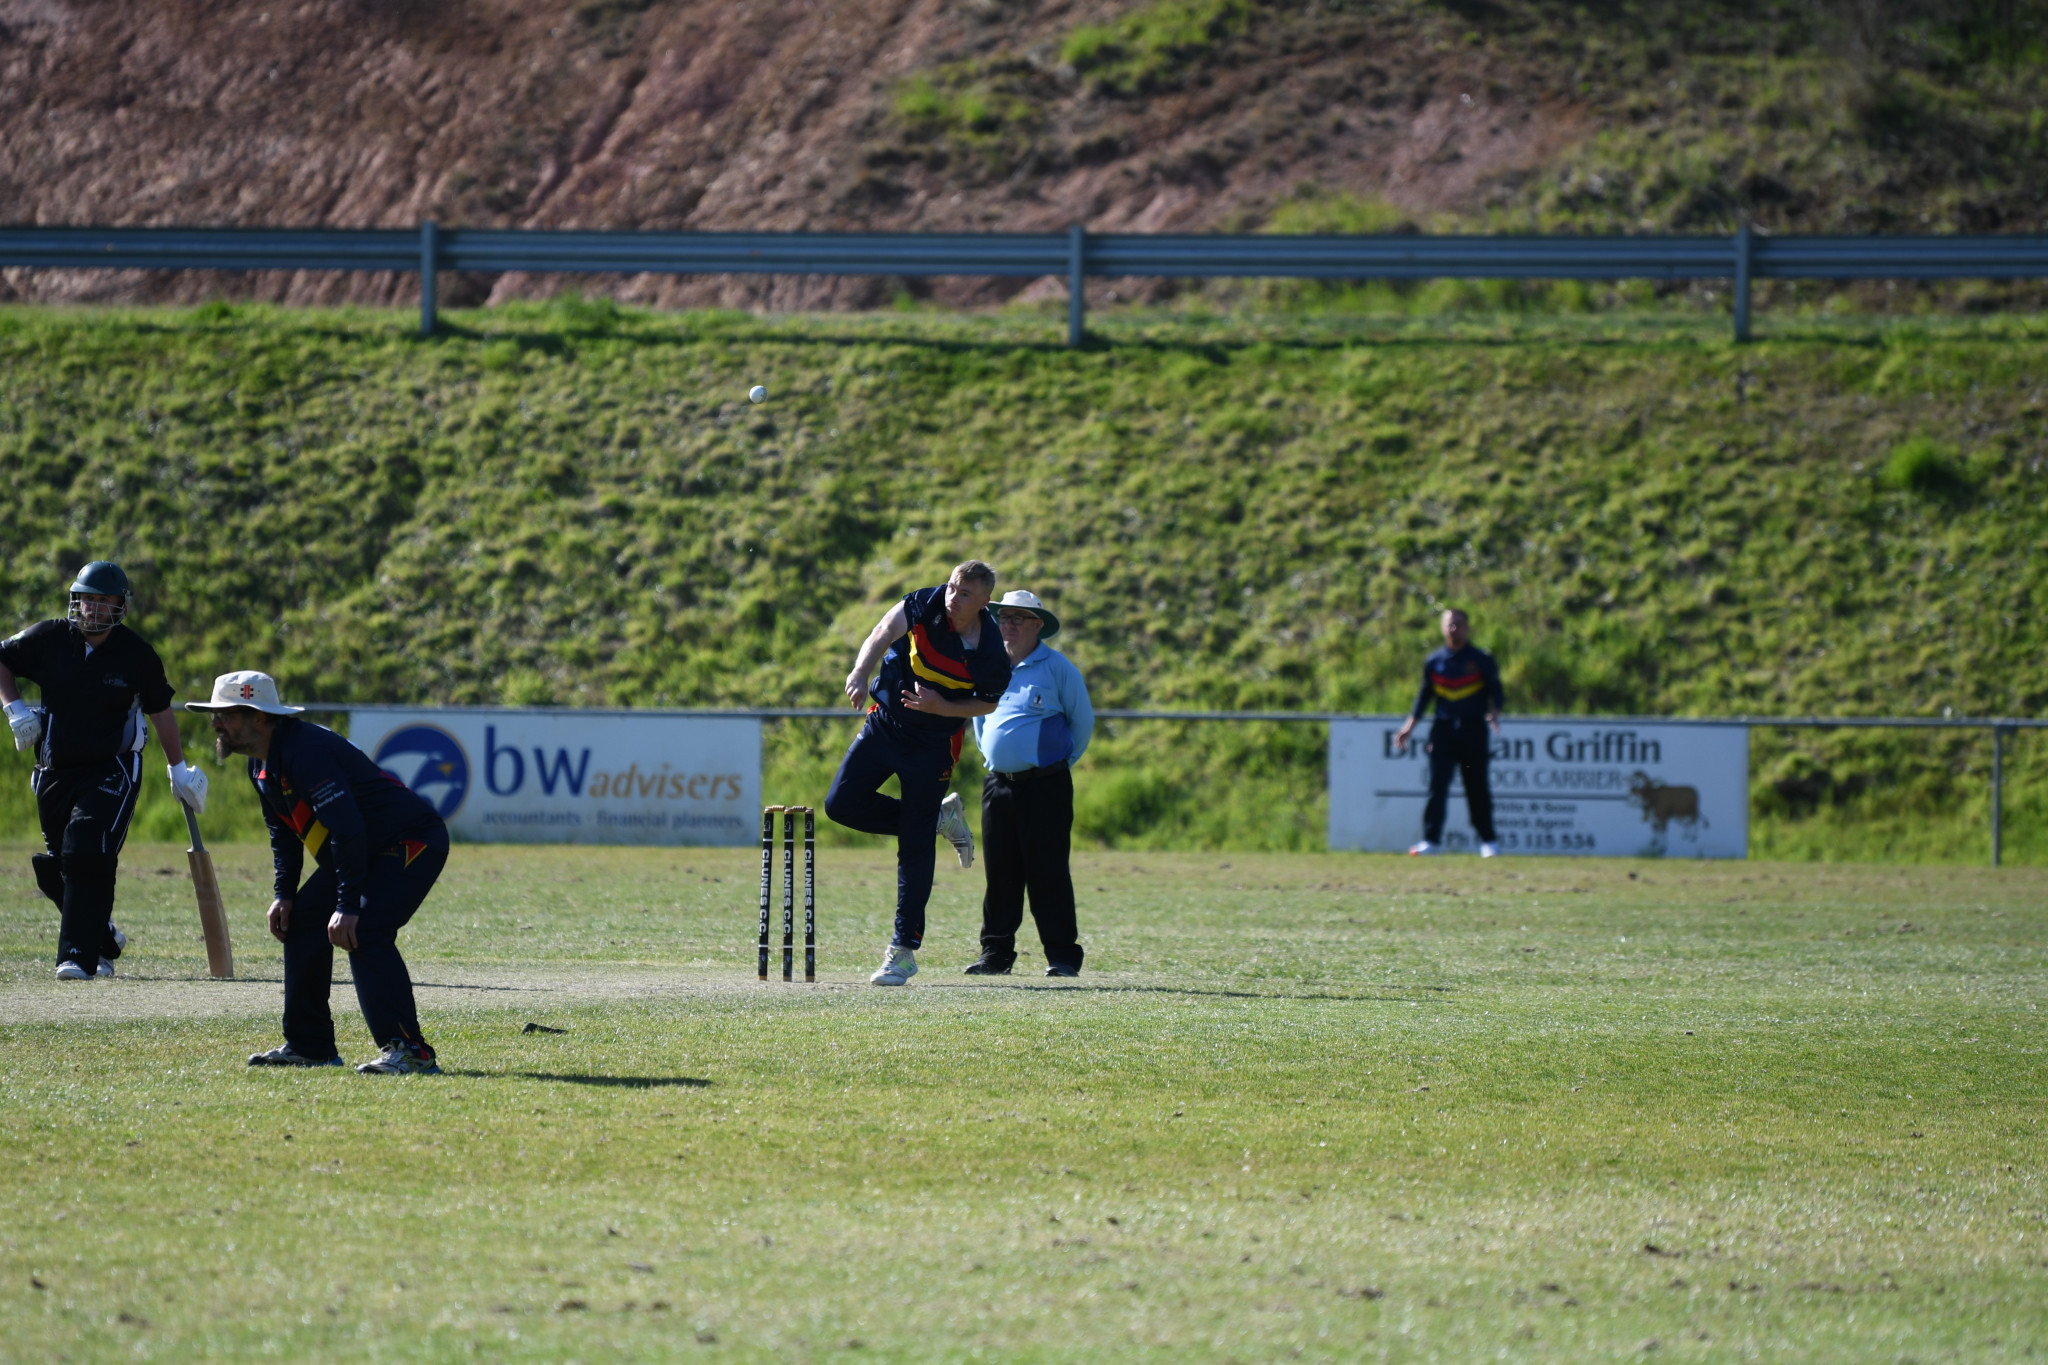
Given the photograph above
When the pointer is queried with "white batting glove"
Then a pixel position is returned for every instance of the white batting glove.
(26, 722)
(188, 784)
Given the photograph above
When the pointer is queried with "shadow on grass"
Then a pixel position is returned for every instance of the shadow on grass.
(1384, 998)
(616, 1082)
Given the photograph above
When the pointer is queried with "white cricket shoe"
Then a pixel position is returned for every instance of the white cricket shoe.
(898, 966)
(67, 970)
(1489, 850)
(106, 970)
(953, 828)
(1418, 849)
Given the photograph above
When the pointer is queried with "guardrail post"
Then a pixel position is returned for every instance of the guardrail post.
(430, 254)
(1077, 303)
(1997, 794)
(1742, 283)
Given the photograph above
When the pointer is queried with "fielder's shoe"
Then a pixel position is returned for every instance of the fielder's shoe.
(898, 966)
(67, 970)
(113, 943)
(284, 1056)
(1062, 969)
(989, 964)
(1489, 850)
(106, 970)
(1417, 850)
(401, 1058)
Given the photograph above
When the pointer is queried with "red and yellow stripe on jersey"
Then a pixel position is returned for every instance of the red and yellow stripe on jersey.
(933, 667)
(1455, 686)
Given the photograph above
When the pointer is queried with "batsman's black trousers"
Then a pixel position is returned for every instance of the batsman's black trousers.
(84, 810)
(1027, 828)
(400, 878)
(1463, 749)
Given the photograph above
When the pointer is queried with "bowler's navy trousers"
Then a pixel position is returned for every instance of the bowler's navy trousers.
(924, 767)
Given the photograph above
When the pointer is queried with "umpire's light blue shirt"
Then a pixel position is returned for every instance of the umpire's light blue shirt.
(1043, 718)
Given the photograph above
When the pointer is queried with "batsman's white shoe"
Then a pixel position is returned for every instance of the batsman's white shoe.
(401, 1058)
(898, 966)
(68, 970)
(1417, 850)
(106, 970)
(284, 1055)
(1489, 850)
(953, 828)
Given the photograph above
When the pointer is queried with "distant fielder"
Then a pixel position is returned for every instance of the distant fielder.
(378, 848)
(99, 679)
(943, 664)
(1464, 682)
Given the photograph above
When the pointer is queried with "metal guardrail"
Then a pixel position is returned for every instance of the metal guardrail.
(2002, 729)
(1741, 257)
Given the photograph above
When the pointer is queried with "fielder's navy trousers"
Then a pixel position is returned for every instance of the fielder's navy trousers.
(1462, 748)
(924, 768)
(400, 877)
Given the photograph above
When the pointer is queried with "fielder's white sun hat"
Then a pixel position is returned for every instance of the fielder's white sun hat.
(1025, 601)
(257, 691)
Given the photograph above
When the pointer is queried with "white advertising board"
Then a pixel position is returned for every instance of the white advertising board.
(1588, 788)
(574, 777)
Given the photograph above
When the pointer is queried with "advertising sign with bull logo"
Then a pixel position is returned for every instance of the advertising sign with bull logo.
(1623, 789)
(535, 776)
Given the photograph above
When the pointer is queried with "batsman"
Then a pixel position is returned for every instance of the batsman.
(99, 679)
(378, 849)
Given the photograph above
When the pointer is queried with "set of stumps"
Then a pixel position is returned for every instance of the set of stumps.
(789, 815)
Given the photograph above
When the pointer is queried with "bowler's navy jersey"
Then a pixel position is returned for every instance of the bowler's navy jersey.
(93, 699)
(322, 795)
(1464, 684)
(932, 655)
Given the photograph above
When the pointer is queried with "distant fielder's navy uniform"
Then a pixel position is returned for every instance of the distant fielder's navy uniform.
(919, 749)
(1465, 685)
(88, 767)
(377, 847)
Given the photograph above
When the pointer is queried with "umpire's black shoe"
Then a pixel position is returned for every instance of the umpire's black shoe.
(1062, 969)
(988, 964)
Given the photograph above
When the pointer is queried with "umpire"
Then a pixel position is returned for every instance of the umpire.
(1037, 731)
(1464, 682)
(98, 679)
(378, 847)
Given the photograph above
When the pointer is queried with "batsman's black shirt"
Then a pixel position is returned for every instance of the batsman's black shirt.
(932, 655)
(93, 699)
(322, 795)
(1464, 684)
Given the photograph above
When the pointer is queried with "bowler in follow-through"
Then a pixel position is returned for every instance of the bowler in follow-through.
(942, 664)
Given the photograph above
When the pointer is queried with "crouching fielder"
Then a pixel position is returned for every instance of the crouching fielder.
(378, 849)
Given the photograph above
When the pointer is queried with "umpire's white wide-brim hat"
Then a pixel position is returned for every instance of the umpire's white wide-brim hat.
(1025, 601)
(257, 691)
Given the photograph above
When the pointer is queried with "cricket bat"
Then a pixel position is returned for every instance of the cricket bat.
(213, 922)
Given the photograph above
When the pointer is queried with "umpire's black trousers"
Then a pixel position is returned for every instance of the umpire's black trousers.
(1462, 748)
(1027, 827)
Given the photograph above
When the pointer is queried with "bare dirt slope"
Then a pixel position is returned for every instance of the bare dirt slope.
(709, 114)
(1143, 115)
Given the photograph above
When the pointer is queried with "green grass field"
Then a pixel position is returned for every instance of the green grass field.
(1315, 1107)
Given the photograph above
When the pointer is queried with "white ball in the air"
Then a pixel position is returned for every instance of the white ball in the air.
(757, 394)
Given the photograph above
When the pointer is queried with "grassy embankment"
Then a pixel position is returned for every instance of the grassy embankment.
(571, 504)
(1328, 1107)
